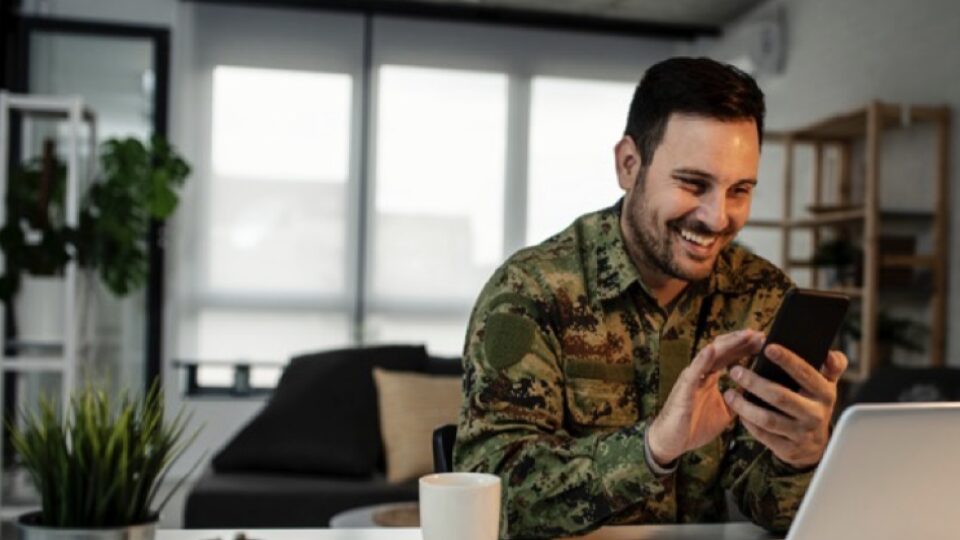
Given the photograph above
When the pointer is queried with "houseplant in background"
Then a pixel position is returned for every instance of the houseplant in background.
(137, 183)
(892, 333)
(35, 242)
(844, 258)
(99, 470)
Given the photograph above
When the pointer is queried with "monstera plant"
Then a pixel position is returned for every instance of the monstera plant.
(138, 183)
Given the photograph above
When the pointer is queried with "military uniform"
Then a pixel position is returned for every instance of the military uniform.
(568, 359)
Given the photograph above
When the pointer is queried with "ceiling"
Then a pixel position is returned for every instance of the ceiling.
(678, 19)
(683, 12)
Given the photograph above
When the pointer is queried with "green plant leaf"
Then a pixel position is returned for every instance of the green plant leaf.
(103, 463)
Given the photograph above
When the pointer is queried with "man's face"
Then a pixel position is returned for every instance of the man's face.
(693, 198)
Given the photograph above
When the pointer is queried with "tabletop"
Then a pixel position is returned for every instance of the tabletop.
(725, 531)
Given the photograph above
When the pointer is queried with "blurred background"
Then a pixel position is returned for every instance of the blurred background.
(360, 168)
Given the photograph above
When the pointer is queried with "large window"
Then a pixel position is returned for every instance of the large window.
(438, 201)
(275, 259)
(349, 196)
(574, 125)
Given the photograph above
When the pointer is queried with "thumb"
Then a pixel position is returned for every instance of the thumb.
(835, 365)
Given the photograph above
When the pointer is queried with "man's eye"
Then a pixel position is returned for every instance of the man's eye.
(694, 186)
(742, 191)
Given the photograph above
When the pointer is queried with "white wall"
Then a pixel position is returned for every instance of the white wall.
(842, 54)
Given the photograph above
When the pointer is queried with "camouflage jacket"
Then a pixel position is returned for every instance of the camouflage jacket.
(568, 358)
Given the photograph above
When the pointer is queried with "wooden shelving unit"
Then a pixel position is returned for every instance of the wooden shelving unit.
(842, 134)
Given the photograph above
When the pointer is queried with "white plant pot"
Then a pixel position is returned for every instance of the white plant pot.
(41, 312)
(28, 530)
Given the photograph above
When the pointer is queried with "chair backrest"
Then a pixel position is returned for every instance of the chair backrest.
(897, 384)
(443, 438)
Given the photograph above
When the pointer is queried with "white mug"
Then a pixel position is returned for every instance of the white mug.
(461, 506)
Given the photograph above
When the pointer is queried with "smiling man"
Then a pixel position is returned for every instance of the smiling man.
(603, 367)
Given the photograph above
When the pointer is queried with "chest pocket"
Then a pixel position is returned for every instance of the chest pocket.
(600, 395)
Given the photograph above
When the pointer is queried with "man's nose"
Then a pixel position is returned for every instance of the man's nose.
(713, 212)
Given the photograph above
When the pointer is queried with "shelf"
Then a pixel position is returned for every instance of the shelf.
(885, 214)
(29, 349)
(821, 220)
(829, 218)
(906, 215)
(907, 261)
(888, 237)
(222, 363)
(33, 365)
(49, 106)
(765, 223)
(886, 261)
(837, 215)
(825, 208)
(58, 356)
(899, 294)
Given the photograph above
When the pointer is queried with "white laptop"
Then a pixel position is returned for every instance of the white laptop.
(889, 472)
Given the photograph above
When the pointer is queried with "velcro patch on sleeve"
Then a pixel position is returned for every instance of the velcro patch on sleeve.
(507, 339)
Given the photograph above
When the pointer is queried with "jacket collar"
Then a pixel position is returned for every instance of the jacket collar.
(615, 271)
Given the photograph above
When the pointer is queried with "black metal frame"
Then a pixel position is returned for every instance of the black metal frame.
(160, 37)
(8, 25)
(493, 15)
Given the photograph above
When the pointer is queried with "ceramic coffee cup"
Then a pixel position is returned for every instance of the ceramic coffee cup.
(461, 506)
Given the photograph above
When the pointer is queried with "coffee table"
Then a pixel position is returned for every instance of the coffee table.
(400, 514)
(725, 531)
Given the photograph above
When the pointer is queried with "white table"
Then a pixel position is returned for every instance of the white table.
(728, 531)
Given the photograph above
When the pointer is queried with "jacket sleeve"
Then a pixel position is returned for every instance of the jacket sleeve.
(766, 489)
(511, 423)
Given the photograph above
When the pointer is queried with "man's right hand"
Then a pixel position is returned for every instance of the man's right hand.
(695, 413)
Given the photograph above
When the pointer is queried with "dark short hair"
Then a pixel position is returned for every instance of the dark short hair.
(697, 86)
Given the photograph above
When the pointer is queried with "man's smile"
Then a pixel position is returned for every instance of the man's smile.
(698, 246)
(701, 240)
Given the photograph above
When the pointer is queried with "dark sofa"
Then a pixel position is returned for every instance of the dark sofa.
(314, 450)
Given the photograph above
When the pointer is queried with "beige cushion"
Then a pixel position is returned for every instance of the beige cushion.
(412, 405)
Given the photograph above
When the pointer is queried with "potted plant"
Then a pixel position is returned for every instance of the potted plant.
(35, 242)
(843, 256)
(892, 333)
(99, 469)
(137, 184)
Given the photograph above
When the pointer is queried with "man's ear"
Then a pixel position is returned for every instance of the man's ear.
(628, 162)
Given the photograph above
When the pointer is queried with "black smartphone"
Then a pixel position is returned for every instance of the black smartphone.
(806, 323)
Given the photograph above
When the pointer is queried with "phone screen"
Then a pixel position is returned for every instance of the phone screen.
(806, 323)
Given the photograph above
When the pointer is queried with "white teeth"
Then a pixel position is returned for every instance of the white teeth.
(704, 241)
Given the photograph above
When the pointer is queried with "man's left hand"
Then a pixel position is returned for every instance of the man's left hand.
(798, 431)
